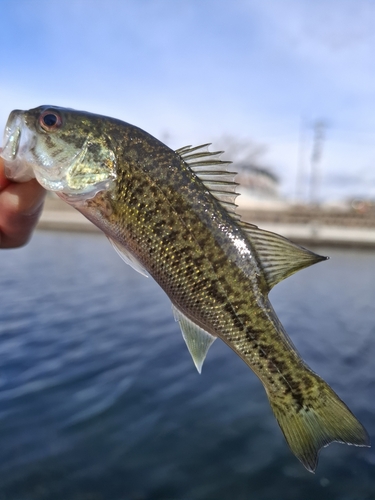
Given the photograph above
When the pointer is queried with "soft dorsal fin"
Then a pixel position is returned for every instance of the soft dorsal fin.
(128, 257)
(198, 341)
(278, 256)
(214, 174)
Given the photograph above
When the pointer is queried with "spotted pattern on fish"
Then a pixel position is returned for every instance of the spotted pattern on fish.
(163, 217)
(214, 293)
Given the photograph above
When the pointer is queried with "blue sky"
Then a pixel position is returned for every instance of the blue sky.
(196, 71)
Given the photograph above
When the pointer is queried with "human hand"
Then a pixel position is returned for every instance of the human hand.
(20, 208)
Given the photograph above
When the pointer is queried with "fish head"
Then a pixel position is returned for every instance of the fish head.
(67, 151)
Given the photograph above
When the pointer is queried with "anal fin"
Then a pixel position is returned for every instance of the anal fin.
(198, 341)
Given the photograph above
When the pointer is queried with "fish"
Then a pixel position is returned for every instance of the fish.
(172, 215)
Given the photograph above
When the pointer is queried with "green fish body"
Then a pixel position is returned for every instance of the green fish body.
(171, 214)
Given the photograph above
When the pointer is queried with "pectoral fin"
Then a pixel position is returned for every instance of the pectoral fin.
(128, 257)
(198, 341)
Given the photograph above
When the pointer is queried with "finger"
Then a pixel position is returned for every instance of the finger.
(20, 207)
(23, 199)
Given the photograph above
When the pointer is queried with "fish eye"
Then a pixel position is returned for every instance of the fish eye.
(50, 120)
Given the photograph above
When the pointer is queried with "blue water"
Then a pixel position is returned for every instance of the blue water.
(99, 398)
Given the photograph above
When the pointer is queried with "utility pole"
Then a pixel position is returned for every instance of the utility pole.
(299, 195)
(316, 156)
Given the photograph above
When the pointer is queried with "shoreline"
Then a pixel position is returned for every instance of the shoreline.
(306, 228)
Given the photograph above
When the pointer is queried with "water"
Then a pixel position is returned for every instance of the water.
(99, 398)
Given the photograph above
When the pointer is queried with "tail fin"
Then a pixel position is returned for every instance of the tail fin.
(320, 420)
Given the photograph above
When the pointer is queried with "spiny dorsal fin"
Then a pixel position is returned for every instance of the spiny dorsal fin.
(198, 341)
(278, 256)
(214, 174)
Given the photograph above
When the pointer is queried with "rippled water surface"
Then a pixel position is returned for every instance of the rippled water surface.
(99, 398)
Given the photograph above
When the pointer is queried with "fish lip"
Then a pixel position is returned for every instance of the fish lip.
(12, 136)
(16, 137)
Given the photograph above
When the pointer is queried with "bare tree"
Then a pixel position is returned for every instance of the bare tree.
(241, 152)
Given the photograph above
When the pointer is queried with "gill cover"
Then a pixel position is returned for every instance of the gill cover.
(44, 143)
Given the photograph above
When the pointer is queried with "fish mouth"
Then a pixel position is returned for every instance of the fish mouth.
(17, 141)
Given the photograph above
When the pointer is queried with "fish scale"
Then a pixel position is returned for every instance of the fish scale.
(171, 214)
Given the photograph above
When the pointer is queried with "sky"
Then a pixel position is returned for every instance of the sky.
(257, 74)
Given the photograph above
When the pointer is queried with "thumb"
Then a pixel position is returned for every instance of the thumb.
(4, 182)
